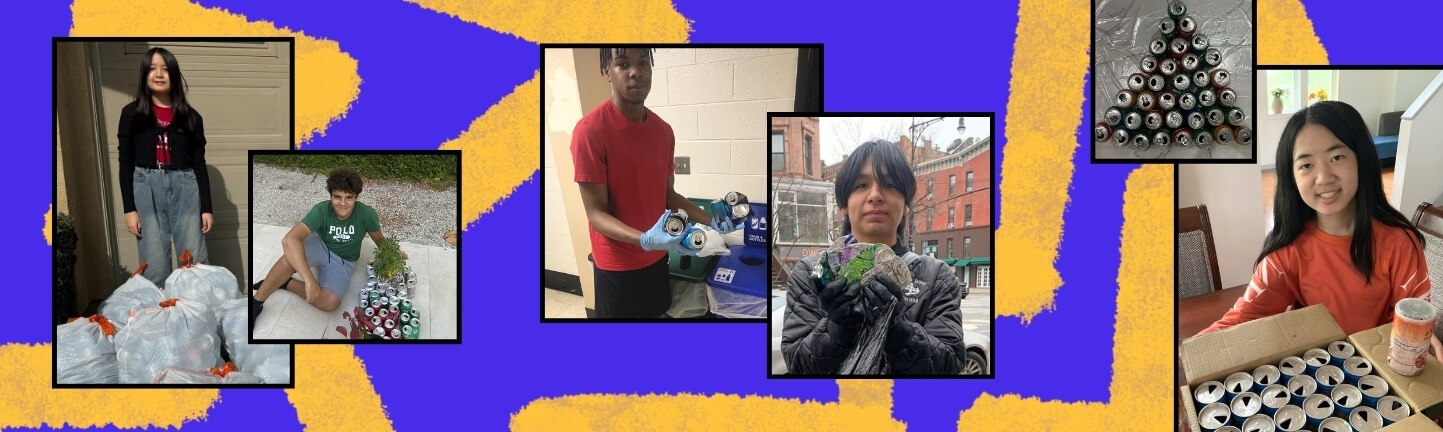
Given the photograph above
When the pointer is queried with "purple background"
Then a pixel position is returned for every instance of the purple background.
(879, 59)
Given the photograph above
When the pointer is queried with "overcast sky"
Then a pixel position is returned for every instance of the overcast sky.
(839, 135)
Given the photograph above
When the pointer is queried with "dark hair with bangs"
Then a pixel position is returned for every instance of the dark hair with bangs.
(891, 168)
(1291, 214)
(607, 53)
(181, 108)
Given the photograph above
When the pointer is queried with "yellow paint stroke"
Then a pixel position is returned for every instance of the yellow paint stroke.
(1049, 65)
(48, 218)
(863, 405)
(1286, 35)
(555, 21)
(333, 391)
(1142, 346)
(26, 399)
(500, 150)
(326, 78)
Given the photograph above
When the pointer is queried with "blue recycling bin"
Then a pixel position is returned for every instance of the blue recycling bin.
(756, 229)
(737, 287)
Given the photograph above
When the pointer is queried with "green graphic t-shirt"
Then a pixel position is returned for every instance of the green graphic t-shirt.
(342, 236)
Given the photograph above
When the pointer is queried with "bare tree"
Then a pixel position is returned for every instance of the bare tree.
(846, 134)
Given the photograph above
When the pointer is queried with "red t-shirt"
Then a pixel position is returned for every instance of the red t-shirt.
(163, 115)
(634, 161)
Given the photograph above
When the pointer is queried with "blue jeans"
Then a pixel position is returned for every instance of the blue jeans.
(169, 206)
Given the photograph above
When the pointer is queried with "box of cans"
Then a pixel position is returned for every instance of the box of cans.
(1299, 371)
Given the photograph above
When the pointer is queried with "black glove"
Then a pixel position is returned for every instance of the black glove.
(842, 302)
(879, 293)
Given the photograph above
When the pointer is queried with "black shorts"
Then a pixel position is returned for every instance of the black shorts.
(640, 293)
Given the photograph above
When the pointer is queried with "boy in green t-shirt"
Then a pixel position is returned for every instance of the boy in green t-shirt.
(328, 238)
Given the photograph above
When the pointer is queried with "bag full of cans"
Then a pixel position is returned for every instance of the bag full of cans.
(178, 332)
(270, 362)
(85, 351)
(207, 284)
(386, 309)
(1328, 389)
(135, 294)
(226, 374)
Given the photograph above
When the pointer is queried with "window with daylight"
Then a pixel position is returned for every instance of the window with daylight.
(929, 185)
(807, 153)
(951, 185)
(949, 248)
(969, 181)
(967, 216)
(984, 276)
(951, 216)
(966, 246)
(930, 249)
(779, 154)
(802, 217)
(1300, 88)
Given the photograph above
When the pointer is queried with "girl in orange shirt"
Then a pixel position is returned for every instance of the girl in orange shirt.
(1336, 241)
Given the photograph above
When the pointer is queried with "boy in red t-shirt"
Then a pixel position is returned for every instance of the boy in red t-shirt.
(623, 156)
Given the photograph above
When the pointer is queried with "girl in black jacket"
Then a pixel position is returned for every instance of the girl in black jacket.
(163, 181)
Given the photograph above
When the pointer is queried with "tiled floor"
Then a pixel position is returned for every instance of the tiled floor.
(288, 316)
(560, 304)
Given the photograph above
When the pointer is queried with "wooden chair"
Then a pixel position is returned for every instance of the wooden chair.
(1197, 256)
(1429, 219)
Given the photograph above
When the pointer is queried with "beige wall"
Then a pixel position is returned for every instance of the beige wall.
(716, 101)
(1232, 194)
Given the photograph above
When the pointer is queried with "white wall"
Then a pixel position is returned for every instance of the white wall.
(1409, 85)
(1233, 195)
(1365, 90)
(1420, 150)
(560, 256)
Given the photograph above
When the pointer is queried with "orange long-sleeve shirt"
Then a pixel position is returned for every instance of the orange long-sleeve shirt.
(1316, 268)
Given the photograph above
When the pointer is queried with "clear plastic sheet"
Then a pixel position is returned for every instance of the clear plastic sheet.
(85, 354)
(208, 284)
(1122, 32)
(135, 294)
(178, 333)
(728, 304)
(270, 362)
(176, 375)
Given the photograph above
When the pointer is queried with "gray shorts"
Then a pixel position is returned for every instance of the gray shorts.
(332, 272)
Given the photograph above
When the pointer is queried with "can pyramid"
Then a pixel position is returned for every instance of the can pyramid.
(1179, 95)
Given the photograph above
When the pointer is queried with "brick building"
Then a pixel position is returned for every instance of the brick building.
(952, 210)
(803, 209)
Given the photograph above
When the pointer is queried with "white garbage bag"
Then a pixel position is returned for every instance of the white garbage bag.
(85, 351)
(270, 362)
(222, 375)
(177, 333)
(207, 284)
(135, 294)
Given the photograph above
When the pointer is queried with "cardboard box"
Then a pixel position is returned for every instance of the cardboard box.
(1268, 340)
(1414, 423)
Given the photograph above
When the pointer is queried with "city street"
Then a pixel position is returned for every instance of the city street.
(977, 313)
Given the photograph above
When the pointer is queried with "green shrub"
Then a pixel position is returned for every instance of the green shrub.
(389, 262)
(436, 171)
(63, 243)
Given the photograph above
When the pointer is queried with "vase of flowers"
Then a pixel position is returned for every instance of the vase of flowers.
(1278, 100)
(1319, 95)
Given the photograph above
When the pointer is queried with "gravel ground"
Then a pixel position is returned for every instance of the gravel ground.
(409, 213)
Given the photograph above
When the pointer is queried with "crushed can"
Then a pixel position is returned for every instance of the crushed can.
(395, 333)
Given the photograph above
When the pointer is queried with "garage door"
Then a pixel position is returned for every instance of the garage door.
(244, 91)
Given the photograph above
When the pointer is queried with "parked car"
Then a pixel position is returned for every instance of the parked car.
(978, 346)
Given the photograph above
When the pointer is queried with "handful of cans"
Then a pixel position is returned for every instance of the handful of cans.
(1325, 389)
(386, 303)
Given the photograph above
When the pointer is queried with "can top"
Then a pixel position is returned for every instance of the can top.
(1209, 392)
(1266, 374)
(1275, 396)
(1258, 423)
(1290, 418)
(1246, 404)
(1318, 406)
(1291, 365)
(1416, 309)
(1357, 366)
(1334, 424)
(1302, 385)
(1214, 415)
(1365, 419)
(1393, 407)
(1329, 375)
(1239, 382)
(1316, 357)
(1347, 396)
(1372, 386)
(1227, 429)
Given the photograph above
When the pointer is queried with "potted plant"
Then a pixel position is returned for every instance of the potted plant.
(1278, 100)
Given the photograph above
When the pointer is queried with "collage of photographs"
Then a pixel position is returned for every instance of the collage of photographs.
(1309, 231)
(221, 244)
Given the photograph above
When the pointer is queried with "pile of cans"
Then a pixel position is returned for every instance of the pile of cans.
(386, 307)
(1324, 390)
(1179, 95)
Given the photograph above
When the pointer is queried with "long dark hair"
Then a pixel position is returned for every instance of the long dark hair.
(1291, 214)
(885, 157)
(181, 108)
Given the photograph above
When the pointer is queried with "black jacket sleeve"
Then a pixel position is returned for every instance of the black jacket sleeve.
(125, 132)
(197, 161)
(936, 347)
(806, 346)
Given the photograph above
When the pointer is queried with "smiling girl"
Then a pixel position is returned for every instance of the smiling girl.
(1336, 241)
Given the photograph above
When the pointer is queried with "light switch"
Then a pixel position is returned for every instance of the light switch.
(683, 165)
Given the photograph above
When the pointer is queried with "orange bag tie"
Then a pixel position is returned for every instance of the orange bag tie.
(186, 261)
(167, 303)
(138, 270)
(223, 370)
(105, 325)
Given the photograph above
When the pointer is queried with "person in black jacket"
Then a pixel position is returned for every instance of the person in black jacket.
(163, 181)
(874, 189)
